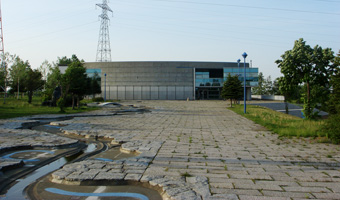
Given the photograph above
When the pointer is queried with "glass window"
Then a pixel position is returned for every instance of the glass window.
(92, 72)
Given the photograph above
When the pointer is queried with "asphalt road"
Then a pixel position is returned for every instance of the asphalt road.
(294, 110)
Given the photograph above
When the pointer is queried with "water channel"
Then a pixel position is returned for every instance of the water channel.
(44, 189)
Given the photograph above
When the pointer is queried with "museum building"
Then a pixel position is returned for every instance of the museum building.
(167, 80)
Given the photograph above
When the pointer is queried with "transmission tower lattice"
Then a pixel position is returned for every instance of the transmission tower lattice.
(1, 34)
(2, 57)
(104, 49)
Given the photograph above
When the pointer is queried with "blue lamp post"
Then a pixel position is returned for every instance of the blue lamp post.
(244, 55)
(238, 64)
(105, 88)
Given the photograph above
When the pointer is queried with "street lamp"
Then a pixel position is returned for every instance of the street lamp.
(244, 55)
(238, 64)
(105, 88)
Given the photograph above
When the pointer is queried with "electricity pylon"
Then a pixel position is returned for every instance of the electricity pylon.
(2, 57)
(104, 49)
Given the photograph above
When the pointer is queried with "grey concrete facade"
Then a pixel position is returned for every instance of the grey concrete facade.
(152, 80)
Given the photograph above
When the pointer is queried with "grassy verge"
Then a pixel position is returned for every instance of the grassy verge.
(20, 108)
(280, 123)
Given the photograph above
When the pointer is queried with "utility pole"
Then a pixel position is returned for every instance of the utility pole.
(2, 57)
(104, 49)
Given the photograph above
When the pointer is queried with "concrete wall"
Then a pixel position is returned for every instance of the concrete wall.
(146, 80)
(152, 80)
(268, 97)
(148, 92)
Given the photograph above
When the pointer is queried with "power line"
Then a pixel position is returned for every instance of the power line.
(253, 7)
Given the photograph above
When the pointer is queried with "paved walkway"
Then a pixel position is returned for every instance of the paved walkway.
(237, 158)
(201, 150)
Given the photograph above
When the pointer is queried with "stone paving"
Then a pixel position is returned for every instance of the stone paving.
(193, 150)
(201, 150)
(22, 138)
(12, 136)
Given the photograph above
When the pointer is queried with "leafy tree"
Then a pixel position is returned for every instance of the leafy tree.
(95, 87)
(268, 85)
(285, 89)
(331, 126)
(64, 61)
(232, 89)
(3, 75)
(309, 66)
(74, 81)
(33, 81)
(6, 60)
(53, 81)
(334, 102)
(276, 87)
(17, 75)
(45, 68)
(265, 86)
(260, 89)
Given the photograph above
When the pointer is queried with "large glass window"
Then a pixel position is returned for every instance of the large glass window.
(251, 75)
(209, 82)
(92, 72)
(209, 77)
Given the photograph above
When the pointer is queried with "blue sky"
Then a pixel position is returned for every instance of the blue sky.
(170, 30)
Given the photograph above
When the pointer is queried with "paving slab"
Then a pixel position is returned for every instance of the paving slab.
(236, 158)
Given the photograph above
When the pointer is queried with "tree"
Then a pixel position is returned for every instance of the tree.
(45, 69)
(309, 66)
(6, 60)
(53, 81)
(334, 102)
(259, 89)
(33, 81)
(3, 75)
(17, 75)
(95, 85)
(232, 89)
(276, 87)
(265, 86)
(74, 81)
(331, 126)
(285, 89)
(268, 85)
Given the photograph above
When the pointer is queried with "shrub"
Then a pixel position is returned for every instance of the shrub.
(61, 104)
(98, 99)
(332, 128)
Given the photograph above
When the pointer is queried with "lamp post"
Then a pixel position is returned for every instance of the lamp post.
(105, 88)
(244, 55)
(238, 64)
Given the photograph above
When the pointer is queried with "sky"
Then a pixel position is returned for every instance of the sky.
(170, 30)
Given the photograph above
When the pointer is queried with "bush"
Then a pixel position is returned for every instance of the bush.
(61, 104)
(98, 99)
(332, 128)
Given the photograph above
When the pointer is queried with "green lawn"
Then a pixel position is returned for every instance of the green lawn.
(280, 123)
(19, 108)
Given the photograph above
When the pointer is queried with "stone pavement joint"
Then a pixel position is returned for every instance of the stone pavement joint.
(201, 150)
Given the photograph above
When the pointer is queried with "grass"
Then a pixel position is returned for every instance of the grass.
(186, 174)
(20, 108)
(280, 123)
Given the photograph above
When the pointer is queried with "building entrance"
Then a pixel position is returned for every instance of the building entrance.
(208, 93)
